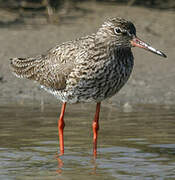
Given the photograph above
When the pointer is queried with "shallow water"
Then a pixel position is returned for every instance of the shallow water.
(134, 143)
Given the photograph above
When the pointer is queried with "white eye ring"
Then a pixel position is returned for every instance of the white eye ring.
(117, 30)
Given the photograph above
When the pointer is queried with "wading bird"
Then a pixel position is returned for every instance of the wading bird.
(88, 69)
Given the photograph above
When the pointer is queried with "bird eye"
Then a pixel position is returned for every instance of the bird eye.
(117, 30)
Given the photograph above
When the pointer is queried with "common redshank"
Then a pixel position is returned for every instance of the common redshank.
(88, 69)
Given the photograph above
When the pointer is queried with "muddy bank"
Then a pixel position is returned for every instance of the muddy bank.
(153, 78)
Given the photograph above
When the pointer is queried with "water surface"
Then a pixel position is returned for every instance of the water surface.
(134, 144)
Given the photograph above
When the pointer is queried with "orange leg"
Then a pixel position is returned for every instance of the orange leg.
(61, 125)
(95, 126)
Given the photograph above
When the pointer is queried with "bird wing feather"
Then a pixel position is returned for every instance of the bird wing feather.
(50, 69)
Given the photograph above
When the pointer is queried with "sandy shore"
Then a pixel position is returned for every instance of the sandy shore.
(153, 78)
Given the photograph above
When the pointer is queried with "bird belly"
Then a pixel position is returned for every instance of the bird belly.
(94, 90)
(102, 89)
(99, 86)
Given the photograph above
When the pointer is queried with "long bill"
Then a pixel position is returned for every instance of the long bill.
(136, 42)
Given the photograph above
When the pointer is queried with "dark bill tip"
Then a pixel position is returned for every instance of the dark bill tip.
(163, 55)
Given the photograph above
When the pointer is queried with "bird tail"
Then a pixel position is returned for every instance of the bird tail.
(25, 67)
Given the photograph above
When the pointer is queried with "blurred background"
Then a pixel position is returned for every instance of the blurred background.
(54, 10)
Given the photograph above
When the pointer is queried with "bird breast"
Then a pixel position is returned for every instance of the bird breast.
(101, 78)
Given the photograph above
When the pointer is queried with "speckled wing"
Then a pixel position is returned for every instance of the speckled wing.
(50, 69)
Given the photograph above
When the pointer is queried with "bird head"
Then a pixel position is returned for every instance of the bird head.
(123, 34)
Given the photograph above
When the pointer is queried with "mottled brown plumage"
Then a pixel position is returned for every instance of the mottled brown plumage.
(90, 68)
